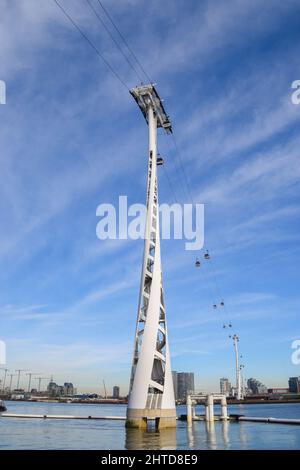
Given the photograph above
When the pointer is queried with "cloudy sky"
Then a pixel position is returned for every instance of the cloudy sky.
(71, 137)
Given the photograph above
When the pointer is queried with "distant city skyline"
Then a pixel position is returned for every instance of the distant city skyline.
(223, 385)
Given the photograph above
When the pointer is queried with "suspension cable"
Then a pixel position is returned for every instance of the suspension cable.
(113, 39)
(170, 184)
(125, 41)
(177, 170)
(183, 170)
(92, 45)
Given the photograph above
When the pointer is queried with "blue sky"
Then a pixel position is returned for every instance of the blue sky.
(71, 137)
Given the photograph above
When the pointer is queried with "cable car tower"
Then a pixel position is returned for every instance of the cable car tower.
(151, 393)
(237, 368)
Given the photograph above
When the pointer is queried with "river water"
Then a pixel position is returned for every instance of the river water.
(40, 434)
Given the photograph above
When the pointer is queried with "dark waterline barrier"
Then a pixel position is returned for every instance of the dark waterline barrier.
(269, 420)
(15, 415)
(123, 418)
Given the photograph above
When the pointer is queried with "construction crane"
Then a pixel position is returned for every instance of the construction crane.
(19, 375)
(105, 393)
(30, 374)
(10, 382)
(4, 378)
(40, 381)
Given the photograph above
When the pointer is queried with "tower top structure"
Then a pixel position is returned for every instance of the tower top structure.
(145, 96)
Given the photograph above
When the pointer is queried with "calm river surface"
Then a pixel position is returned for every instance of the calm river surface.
(84, 434)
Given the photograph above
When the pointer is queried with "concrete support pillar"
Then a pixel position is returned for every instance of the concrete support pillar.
(224, 408)
(210, 406)
(189, 411)
(138, 419)
(206, 411)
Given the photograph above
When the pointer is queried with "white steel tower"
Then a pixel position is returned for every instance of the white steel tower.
(237, 367)
(151, 393)
(242, 381)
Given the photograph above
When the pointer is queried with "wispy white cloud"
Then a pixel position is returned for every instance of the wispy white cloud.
(259, 178)
(245, 298)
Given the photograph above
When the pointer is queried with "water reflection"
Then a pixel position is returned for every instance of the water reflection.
(211, 435)
(102, 434)
(191, 436)
(137, 439)
(243, 435)
(225, 433)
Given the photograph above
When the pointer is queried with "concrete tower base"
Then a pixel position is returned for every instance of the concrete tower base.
(139, 418)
